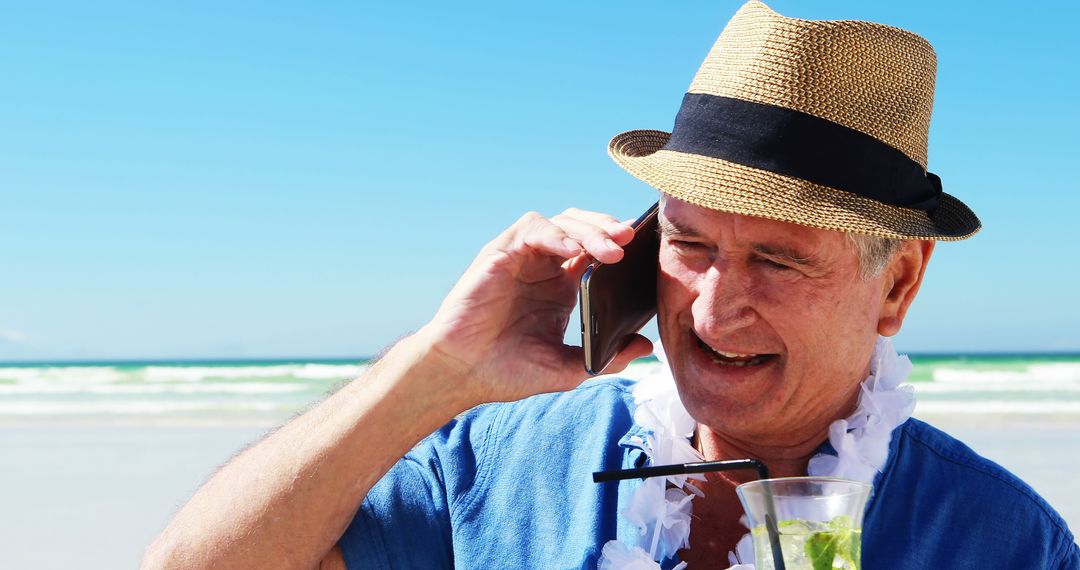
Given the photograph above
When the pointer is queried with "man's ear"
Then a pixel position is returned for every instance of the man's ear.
(902, 278)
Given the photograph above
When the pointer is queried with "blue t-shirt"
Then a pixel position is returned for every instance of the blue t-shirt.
(510, 486)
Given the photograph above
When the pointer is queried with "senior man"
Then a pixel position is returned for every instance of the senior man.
(797, 220)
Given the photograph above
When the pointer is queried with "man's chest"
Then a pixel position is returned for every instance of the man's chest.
(715, 529)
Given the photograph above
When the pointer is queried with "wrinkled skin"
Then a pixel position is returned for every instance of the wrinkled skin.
(718, 285)
(752, 286)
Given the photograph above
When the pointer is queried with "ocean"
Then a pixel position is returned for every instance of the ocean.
(270, 391)
(114, 448)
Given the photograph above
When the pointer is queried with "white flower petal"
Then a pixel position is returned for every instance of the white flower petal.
(647, 505)
(862, 440)
(744, 550)
(617, 556)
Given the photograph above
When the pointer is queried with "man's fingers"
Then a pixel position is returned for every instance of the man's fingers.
(594, 239)
(575, 267)
(568, 235)
(572, 361)
(620, 232)
(637, 347)
(538, 234)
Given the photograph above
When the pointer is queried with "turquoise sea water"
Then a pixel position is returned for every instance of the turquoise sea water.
(272, 390)
(202, 391)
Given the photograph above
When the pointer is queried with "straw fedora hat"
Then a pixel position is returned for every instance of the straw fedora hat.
(819, 123)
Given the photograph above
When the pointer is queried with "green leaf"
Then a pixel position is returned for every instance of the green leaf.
(841, 523)
(821, 550)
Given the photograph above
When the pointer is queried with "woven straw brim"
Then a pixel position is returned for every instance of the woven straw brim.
(725, 186)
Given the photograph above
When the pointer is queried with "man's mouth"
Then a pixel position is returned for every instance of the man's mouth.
(733, 359)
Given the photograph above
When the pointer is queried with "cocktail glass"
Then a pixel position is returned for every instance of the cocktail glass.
(818, 521)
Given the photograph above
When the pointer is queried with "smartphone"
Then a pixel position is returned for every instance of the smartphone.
(617, 299)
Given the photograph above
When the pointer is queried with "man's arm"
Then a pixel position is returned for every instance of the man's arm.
(286, 501)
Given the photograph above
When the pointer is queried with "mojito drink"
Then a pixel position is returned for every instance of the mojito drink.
(815, 522)
(810, 545)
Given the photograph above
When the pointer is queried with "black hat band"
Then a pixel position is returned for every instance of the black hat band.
(803, 146)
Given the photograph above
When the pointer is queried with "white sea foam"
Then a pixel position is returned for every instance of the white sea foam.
(970, 387)
(246, 388)
(301, 371)
(64, 374)
(39, 389)
(134, 407)
(329, 371)
(1001, 407)
(89, 375)
(1056, 372)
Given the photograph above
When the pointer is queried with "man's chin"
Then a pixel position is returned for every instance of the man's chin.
(736, 418)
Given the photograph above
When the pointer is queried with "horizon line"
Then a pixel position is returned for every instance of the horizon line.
(365, 359)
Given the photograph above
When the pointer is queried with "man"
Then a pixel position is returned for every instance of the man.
(797, 221)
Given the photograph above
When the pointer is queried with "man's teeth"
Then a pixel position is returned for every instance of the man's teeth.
(733, 358)
(736, 362)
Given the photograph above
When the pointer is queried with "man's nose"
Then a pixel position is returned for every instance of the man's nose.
(723, 301)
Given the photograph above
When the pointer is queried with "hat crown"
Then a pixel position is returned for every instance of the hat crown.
(872, 78)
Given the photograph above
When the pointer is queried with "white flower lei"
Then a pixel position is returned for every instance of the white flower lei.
(661, 506)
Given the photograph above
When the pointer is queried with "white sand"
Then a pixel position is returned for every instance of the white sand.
(93, 497)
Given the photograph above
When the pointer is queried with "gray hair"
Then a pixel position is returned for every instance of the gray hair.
(875, 252)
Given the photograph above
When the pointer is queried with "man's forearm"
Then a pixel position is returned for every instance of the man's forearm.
(286, 501)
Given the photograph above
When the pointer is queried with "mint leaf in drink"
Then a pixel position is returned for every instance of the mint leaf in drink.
(841, 523)
(821, 550)
(848, 541)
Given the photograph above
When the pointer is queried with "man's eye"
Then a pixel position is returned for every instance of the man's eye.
(687, 248)
(775, 265)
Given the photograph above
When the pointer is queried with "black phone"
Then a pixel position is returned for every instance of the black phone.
(618, 299)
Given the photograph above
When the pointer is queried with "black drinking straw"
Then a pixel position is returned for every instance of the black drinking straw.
(707, 467)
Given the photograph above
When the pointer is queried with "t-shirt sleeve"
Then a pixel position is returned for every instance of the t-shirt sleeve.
(405, 520)
(1070, 560)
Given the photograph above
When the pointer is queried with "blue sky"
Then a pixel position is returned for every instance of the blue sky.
(247, 179)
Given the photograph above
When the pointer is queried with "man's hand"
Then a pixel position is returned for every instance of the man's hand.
(500, 330)
(285, 502)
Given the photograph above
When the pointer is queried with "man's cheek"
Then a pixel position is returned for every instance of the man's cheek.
(672, 292)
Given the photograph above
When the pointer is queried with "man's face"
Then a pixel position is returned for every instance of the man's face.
(789, 295)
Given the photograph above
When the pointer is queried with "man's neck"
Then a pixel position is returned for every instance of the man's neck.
(788, 458)
(786, 453)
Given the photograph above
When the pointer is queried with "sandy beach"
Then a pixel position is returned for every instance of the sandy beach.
(93, 496)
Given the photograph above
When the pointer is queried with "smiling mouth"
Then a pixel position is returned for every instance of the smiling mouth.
(733, 359)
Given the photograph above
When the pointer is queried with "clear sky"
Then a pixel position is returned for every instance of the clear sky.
(254, 179)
